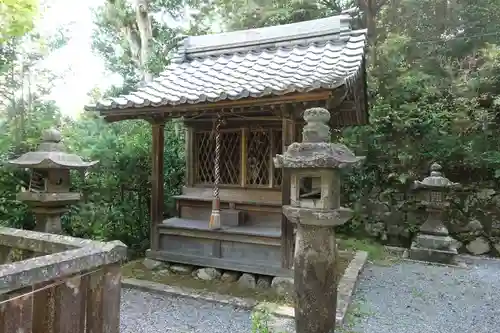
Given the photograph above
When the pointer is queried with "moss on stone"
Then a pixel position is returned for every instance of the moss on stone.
(135, 269)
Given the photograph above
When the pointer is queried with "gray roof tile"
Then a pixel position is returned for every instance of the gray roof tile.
(299, 57)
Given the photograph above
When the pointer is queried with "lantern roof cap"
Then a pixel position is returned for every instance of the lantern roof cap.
(436, 179)
(316, 150)
(51, 154)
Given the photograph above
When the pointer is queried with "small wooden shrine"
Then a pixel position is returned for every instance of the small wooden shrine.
(241, 96)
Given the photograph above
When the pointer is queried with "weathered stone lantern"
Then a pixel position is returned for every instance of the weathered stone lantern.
(315, 209)
(433, 242)
(49, 194)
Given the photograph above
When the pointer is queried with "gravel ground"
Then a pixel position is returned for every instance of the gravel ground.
(148, 313)
(403, 298)
(416, 298)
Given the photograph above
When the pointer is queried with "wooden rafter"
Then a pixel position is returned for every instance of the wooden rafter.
(195, 109)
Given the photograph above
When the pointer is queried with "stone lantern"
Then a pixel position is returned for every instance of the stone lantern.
(433, 242)
(49, 194)
(315, 210)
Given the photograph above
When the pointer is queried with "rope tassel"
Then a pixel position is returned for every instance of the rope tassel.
(215, 216)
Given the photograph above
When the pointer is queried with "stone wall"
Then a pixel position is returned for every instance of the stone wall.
(394, 216)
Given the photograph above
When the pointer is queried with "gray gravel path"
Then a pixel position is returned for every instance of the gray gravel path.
(148, 313)
(403, 298)
(416, 298)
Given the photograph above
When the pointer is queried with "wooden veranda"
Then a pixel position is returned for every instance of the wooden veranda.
(255, 84)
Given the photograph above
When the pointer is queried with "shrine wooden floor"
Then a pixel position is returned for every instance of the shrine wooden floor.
(250, 248)
(252, 230)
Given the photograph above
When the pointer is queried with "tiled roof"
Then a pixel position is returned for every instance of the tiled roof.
(299, 57)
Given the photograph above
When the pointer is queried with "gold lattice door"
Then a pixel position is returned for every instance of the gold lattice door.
(230, 158)
(258, 157)
(262, 146)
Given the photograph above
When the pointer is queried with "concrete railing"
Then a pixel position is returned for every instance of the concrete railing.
(54, 283)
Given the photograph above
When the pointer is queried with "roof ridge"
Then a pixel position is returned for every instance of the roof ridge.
(292, 34)
(267, 47)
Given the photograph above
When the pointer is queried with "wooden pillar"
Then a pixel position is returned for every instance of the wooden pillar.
(271, 157)
(157, 190)
(287, 239)
(189, 151)
(244, 157)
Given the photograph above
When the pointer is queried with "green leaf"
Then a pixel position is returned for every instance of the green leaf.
(16, 17)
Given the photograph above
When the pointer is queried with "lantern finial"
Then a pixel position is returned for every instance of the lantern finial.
(436, 170)
(316, 150)
(51, 135)
(316, 128)
(436, 179)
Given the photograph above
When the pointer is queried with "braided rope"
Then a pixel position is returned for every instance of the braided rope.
(217, 156)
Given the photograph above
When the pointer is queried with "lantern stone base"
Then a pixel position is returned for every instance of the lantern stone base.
(315, 279)
(48, 220)
(315, 266)
(433, 248)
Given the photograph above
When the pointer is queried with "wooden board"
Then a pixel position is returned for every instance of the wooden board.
(198, 225)
(252, 249)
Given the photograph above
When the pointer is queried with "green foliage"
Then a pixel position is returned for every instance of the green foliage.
(242, 14)
(16, 18)
(108, 42)
(20, 132)
(117, 40)
(434, 100)
(117, 192)
(356, 313)
(375, 251)
(260, 322)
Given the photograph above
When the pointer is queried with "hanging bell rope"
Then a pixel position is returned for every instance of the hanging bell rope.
(215, 216)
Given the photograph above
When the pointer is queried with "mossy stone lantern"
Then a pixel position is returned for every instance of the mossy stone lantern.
(49, 194)
(315, 209)
(433, 242)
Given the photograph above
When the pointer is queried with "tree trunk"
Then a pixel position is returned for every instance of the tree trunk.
(134, 43)
(137, 31)
(145, 33)
(442, 15)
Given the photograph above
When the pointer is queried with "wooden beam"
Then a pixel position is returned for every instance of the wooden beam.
(151, 117)
(271, 156)
(180, 110)
(287, 239)
(207, 126)
(235, 119)
(286, 110)
(226, 264)
(157, 190)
